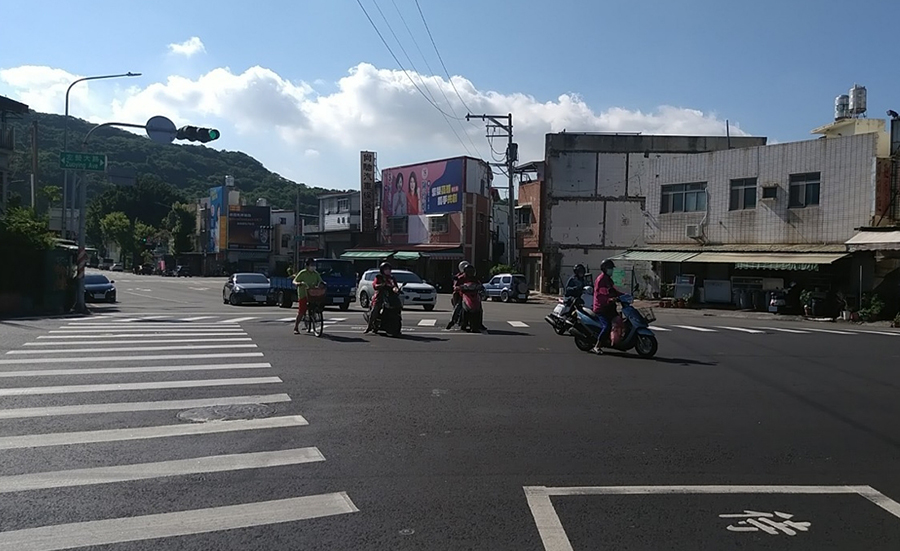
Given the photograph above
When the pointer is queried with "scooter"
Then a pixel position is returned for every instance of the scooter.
(630, 329)
(390, 321)
(563, 317)
(472, 312)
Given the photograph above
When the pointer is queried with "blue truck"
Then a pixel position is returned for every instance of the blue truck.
(340, 282)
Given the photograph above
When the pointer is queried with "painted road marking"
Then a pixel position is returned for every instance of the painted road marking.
(154, 385)
(122, 330)
(181, 523)
(830, 331)
(134, 349)
(427, 323)
(692, 328)
(195, 318)
(742, 329)
(239, 320)
(783, 330)
(145, 318)
(889, 333)
(517, 323)
(658, 328)
(336, 319)
(122, 370)
(160, 405)
(144, 433)
(160, 469)
(554, 537)
(162, 341)
(20, 361)
(188, 326)
(144, 335)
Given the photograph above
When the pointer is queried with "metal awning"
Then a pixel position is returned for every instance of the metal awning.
(875, 241)
(366, 254)
(655, 256)
(406, 255)
(766, 258)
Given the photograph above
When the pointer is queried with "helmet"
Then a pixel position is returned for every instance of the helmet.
(607, 265)
(469, 270)
(463, 265)
(580, 268)
(384, 266)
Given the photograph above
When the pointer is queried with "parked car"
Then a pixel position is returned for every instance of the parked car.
(507, 287)
(182, 271)
(99, 288)
(243, 288)
(117, 268)
(413, 291)
(106, 264)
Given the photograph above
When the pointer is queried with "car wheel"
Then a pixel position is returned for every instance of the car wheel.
(428, 307)
(504, 296)
(345, 306)
(364, 301)
(224, 298)
(232, 300)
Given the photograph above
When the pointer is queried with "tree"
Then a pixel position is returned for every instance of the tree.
(182, 223)
(149, 200)
(117, 228)
(52, 194)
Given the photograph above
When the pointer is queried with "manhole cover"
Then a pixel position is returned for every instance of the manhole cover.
(226, 413)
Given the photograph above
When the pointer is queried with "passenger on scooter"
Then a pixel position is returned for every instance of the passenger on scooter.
(576, 284)
(605, 295)
(468, 276)
(455, 298)
(383, 285)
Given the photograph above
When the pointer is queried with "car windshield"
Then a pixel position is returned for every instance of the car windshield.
(95, 279)
(334, 268)
(407, 277)
(250, 278)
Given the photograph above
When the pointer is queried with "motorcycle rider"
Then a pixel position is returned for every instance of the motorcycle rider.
(605, 294)
(384, 283)
(455, 299)
(576, 284)
(467, 276)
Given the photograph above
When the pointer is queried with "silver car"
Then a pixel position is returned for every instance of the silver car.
(413, 290)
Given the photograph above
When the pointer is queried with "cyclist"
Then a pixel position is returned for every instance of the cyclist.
(305, 279)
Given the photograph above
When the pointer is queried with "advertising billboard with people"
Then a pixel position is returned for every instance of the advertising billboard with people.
(218, 219)
(413, 194)
(249, 228)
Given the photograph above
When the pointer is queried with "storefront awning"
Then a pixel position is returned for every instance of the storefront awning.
(766, 258)
(875, 241)
(655, 256)
(406, 255)
(365, 254)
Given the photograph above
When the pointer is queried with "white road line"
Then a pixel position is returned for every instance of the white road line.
(783, 330)
(658, 328)
(145, 433)
(160, 469)
(336, 319)
(889, 333)
(121, 407)
(123, 330)
(830, 331)
(22, 361)
(692, 328)
(144, 335)
(123, 370)
(181, 523)
(517, 323)
(189, 326)
(195, 318)
(742, 329)
(145, 318)
(134, 349)
(153, 385)
(162, 341)
(239, 320)
(427, 323)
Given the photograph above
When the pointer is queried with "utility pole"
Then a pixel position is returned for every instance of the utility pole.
(34, 161)
(512, 154)
(297, 231)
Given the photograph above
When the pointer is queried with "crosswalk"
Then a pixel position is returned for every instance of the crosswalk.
(212, 325)
(60, 375)
(772, 330)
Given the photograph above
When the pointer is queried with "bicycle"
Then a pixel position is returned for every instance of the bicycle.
(315, 307)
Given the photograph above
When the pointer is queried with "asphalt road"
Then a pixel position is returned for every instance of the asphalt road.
(741, 434)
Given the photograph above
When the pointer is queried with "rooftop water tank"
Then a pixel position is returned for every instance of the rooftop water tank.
(857, 100)
(842, 107)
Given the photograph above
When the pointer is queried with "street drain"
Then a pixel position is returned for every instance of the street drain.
(226, 413)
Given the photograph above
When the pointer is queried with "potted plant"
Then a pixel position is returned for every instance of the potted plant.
(806, 298)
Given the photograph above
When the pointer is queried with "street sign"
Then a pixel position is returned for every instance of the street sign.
(71, 160)
(160, 129)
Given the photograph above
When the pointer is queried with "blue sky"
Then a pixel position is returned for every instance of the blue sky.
(771, 67)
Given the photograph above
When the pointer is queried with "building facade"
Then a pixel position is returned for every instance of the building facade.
(339, 222)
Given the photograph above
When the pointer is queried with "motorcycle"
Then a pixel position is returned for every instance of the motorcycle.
(630, 329)
(472, 312)
(562, 318)
(390, 321)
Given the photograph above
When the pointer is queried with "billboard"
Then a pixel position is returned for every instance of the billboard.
(367, 190)
(428, 188)
(249, 228)
(218, 219)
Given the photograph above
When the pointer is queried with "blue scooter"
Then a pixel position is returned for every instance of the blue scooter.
(638, 334)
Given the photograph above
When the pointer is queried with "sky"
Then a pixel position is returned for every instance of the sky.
(304, 85)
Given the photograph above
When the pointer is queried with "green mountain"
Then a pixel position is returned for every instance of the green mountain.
(192, 169)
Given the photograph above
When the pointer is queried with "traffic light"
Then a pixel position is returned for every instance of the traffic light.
(195, 134)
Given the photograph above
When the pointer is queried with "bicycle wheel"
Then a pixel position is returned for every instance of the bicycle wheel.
(318, 322)
(307, 318)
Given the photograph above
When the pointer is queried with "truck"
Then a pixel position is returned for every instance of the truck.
(340, 284)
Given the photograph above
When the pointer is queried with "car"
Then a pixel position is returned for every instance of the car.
(507, 287)
(182, 271)
(413, 290)
(146, 269)
(116, 268)
(99, 288)
(244, 288)
(105, 264)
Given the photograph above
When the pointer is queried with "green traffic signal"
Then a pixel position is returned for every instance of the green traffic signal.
(213, 134)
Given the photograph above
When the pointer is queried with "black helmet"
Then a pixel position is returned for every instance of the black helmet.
(469, 270)
(580, 268)
(607, 265)
(384, 266)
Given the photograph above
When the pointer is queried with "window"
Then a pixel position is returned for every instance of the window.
(439, 224)
(343, 205)
(481, 224)
(399, 224)
(283, 221)
(804, 190)
(524, 216)
(770, 192)
(506, 280)
(743, 194)
(495, 281)
(370, 276)
(285, 241)
(683, 198)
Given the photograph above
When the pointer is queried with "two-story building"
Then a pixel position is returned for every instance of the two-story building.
(339, 222)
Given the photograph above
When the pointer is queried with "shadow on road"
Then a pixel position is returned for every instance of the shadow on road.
(503, 333)
(338, 338)
(419, 338)
(658, 359)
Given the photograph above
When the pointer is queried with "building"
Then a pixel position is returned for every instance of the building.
(339, 222)
(8, 108)
(499, 232)
(530, 218)
(595, 189)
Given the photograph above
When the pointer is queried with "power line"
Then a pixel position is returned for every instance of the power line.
(446, 72)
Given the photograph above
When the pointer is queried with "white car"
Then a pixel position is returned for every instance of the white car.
(413, 291)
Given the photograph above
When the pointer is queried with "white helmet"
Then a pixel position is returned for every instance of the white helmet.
(463, 265)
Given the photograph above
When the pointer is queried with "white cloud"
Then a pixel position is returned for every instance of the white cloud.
(189, 47)
(273, 118)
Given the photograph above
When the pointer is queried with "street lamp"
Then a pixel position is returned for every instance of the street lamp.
(65, 220)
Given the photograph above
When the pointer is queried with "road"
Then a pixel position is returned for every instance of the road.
(741, 434)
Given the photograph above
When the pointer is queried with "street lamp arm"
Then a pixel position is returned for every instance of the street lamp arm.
(69, 89)
(99, 126)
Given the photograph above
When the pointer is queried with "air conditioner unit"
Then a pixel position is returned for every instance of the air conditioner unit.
(694, 231)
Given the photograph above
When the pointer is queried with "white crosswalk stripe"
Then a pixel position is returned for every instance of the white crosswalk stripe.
(427, 323)
(742, 329)
(119, 387)
(830, 331)
(196, 318)
(142, 335)
(238, 320)
(134, 349)
(658, 328)
(517, 323)
(120, 358)
(693, 328)
(152, 341)
(783, 330)
(121, 370)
